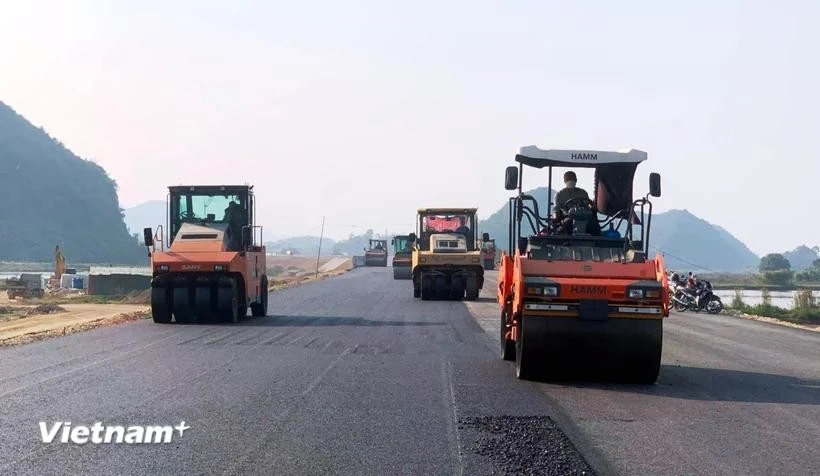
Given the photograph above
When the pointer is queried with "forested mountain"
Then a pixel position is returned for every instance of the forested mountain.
(54, 197)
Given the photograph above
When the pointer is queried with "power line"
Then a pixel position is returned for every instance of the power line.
(684, 260)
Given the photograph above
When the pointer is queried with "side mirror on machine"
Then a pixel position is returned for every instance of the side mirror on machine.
(485, 237)
(511, 178)
(655, 184)
(148, 237)
(412, 237)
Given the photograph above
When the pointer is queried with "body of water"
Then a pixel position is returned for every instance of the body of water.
(784, 299)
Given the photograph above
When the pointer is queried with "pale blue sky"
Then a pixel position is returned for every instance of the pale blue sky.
(316, 103)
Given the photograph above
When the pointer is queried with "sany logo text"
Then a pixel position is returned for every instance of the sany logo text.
(97, 433)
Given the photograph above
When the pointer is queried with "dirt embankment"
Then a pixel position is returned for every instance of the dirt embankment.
(27, 321)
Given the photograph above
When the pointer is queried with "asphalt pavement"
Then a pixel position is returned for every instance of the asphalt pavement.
(354, 375)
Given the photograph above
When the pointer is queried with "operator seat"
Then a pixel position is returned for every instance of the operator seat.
(234, 215)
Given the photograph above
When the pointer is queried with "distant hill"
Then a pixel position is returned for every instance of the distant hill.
(148, 214)
(688, 242)
(802, 257)
(301, 245)
(52, 197)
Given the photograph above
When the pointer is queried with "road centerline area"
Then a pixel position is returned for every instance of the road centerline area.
(355, 375)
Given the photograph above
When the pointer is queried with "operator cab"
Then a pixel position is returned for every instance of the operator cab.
(600, 229)
(204, 212)
(377, 245)
(401, 244)
(446, 229)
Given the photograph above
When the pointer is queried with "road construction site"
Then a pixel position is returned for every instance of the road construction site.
(352, 374)
(65, 311)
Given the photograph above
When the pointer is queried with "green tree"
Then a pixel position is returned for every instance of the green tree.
(774, 262)
(810, 275)
(780, 277)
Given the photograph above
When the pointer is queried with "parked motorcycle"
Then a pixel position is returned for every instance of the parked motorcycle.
(704, 299)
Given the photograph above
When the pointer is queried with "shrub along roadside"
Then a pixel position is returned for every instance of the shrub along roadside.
(806, 310)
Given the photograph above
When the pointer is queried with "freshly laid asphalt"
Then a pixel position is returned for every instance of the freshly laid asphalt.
(353, 375)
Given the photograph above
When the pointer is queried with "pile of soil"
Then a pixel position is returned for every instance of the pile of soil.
(43, 309)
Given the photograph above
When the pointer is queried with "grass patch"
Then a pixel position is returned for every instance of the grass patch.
(806, 309)
(8, 313)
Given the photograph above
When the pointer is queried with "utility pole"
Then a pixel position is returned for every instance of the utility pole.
(319, 254)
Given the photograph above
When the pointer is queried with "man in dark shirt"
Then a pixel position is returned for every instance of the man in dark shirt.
(570, 192)
(234, 215)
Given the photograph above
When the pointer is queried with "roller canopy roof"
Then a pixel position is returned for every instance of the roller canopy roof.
(448, 211)
(534, 157)
(210, 189)
(614, 172)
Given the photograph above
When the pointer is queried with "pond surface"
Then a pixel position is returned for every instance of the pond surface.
(784, 299)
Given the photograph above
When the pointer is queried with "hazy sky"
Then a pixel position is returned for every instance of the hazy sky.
(365, 110)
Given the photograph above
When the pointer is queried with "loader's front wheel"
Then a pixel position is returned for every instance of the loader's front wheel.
(472, 288)
(202, 302)
(457, 288)
(442, 291)
(160, 305)
(260, 309)
(426, 288)
(183, 311)
(647, 354)
(228, 302)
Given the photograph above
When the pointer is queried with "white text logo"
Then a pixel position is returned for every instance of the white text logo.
(98, 433)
